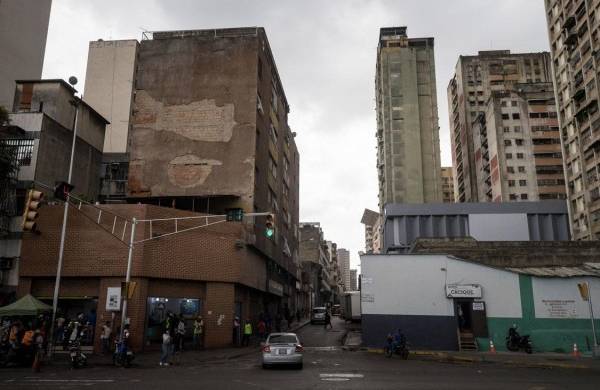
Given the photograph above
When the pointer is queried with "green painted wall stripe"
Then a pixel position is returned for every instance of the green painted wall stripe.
(527, 306)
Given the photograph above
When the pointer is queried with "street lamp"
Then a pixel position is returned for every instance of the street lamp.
(74, 102)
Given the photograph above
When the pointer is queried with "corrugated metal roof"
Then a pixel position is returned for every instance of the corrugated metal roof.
(586, 269)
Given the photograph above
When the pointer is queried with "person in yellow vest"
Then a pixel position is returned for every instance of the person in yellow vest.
(247, 333)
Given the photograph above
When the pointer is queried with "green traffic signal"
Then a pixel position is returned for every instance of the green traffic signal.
(270, 226)
(269, 232)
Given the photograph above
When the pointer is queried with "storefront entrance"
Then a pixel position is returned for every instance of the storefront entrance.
(471, 321)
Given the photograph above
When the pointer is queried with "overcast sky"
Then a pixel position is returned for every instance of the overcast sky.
(325, 52)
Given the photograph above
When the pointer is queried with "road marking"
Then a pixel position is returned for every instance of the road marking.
(71, 380)
(332, 348)
(335, 379)
(341, 375)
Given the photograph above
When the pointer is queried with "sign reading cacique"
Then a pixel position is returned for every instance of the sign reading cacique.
(463, 291)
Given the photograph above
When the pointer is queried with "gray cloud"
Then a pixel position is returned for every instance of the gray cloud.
(325, 52)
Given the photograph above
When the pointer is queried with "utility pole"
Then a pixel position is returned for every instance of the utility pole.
(127, 278)
(72, 81)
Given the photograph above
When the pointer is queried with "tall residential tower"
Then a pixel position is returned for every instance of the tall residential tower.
(573, 32)
(408, 158)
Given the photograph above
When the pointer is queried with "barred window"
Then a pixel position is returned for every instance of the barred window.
(24, 149)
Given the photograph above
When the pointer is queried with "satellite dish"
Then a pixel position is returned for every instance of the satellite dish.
(72, 80)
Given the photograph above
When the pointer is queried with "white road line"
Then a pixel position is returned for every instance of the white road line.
(341, 375)
(335, 379)
(71, 380)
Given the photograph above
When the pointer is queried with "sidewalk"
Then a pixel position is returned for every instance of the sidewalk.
(187, 357)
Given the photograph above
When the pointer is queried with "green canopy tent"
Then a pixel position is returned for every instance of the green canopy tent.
(26, 306)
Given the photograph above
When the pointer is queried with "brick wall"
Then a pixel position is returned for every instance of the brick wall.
(220, 311)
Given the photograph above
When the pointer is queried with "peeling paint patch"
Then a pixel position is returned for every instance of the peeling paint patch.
(190, 170)
(200, 120)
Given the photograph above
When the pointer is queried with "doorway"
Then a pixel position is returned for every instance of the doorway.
(464, 317)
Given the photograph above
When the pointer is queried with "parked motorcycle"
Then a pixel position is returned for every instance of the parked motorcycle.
(122, 356)
(78, 358)
(516, 342)
(399, 348)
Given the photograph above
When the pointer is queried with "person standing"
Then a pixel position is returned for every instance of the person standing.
(262, 330)
(236, 331)
(247, 333)
(38, 351)
(199, 333)
(165, 348)
(328, 319)
(180, 334)
(105, 337)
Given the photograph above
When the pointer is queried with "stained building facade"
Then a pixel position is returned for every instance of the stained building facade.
(573, 34)
(408, 159)
(475, 79)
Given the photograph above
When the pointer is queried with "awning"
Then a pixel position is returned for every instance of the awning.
(26, 306)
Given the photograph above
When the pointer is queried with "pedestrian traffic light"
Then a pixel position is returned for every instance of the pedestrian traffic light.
(32, 205)
(270, 226)
(62, 190)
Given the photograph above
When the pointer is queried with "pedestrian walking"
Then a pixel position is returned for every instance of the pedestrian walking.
(247, 333)
(328, 319)
(236, 331)
(38, 351)
(262, 330)
(165, 353)
(198, 333)
(105, 337)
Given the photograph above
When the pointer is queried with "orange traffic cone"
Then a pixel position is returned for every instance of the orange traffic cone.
(492, 347)
(576, 351)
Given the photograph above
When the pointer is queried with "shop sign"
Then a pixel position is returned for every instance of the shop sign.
(478, 306)
(463, 291)
(275, 288)
(113, 299)
(560, 308)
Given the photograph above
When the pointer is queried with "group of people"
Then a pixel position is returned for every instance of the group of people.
(243, 332)
(173, 337)
(23, 343)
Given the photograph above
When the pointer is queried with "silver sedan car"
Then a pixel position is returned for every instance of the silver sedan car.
(282, 348)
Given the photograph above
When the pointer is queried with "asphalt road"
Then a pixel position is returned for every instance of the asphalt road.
(325, 367)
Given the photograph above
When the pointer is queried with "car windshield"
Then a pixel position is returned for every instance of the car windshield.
(319, 310)
(282, 339)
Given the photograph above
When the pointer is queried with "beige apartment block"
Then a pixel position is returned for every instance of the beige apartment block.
(109, 85)
(573, 32)
(517, 146)
(372, 221)
(475, 78)
(447, 185)
(408, 158)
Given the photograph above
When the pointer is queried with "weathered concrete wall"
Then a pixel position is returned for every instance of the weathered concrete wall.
(194, 119)
(23, 30)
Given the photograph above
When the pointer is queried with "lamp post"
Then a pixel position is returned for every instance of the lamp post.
(74, 102)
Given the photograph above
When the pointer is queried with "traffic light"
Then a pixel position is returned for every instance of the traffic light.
(32, 205)
(270, 226)
(62, 190)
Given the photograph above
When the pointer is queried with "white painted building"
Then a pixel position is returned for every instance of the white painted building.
(437, 299)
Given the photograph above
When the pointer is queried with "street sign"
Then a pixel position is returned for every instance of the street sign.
(113, 299)
(463, 291)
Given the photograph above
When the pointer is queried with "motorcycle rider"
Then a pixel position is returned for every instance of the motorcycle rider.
(399, 340)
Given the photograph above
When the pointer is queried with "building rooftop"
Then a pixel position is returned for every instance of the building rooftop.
(537, 207)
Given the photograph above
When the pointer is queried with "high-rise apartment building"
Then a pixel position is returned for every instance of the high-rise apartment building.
(372, 221)
(476, 77)
(408, 146)
(23, 31)
(109, 86)
(353, 280)
(344, 260)
(573, 33)
(447, 185)
(517, 146)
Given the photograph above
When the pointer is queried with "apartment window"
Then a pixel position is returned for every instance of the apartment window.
(506, 129)
(516, 115)
(503, 103)
(274, 98)
(522, 169)
(517, 129)
(522, 183)
(22, 149)
(505, 117)
(510, 169)
(507, 142)
(511, 183)
(508, 156)
(512, 197)
(272, 167)
(513, 103)
(273, 134)
(519, 142)
(520, 155)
